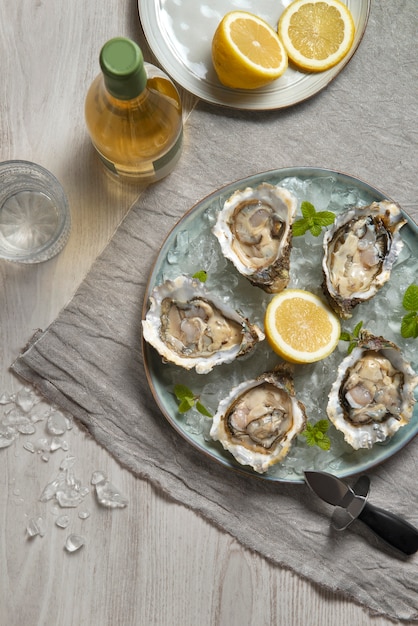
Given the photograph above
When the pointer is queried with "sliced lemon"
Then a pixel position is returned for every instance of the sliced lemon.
(317, 34)
(247, 52)
(300, 327)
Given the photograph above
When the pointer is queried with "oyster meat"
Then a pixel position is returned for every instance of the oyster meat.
(373, 395)
(360, 250)
(259, 419)
(190, 327)
(254, 229)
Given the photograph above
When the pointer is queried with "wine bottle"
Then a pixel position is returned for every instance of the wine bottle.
(133, 114)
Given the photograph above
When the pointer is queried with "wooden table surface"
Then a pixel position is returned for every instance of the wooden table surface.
(153, 562)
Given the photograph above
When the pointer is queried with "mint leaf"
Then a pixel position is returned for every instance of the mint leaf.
(312, 220)
(185, 405)
(352, 337)
(357, 329)
(203, 410)
(316, 230)
(181, 392)
(322, 426)
(351, 347)
(409, 325)
(324, 443)
(325, 218)
(315, 434)
(202, 275)
(410, 299)
(300, 227)
(307, 209)
(187, 400)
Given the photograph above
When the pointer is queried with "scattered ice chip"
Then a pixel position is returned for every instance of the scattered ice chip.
(56, 424)
(35, 527)
(5, 399)
(98, 477)
(84, 514)
(57, 443)
(50, 490)
(26, 429)
(68, 462)
(74, 542)
(42, 445)
(7, 436)
(62, 521)
(65, 488)
(68, 498)
(26, 399)
(107, 494)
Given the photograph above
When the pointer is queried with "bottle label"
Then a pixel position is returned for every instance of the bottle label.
(110, 166)
(152, 169)
(170, 155)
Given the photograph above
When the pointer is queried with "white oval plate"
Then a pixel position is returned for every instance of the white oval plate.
(180, 34)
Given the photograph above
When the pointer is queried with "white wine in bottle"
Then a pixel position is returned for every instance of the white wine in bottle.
(133, 114)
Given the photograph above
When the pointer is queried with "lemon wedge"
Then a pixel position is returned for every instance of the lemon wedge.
(317, 34)
(300, 327)
(247, 52)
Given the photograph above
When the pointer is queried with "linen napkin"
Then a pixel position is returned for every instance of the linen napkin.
(89, 360)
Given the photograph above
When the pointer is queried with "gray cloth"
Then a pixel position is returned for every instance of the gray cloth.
(89, 360)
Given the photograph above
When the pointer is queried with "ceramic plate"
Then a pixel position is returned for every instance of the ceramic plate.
(180, 34)
(191, 247)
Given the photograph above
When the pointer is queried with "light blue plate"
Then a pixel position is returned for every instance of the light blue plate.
(191, 247)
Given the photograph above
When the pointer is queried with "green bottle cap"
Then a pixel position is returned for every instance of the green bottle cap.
(123, 68)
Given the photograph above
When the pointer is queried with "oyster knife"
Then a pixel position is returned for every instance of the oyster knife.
(351, 504)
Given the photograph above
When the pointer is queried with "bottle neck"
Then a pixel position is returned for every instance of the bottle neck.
(122, 64)
(127, 87)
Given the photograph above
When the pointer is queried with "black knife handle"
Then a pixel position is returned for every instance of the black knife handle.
(391, 528)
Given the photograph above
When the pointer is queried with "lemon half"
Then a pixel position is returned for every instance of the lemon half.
(300, 327)
(317, 34)
(247, 52)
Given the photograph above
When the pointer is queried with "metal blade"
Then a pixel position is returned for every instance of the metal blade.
(330, 488)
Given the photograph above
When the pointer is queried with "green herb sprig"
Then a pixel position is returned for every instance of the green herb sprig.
(187, 400)
(315, 434)
(312, 220)
(409, 324)
(353, 337)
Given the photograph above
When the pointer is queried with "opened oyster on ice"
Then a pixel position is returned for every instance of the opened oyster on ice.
(191, 327)
(259, 419)
(373, 395)
(360, 250)
(254, 229)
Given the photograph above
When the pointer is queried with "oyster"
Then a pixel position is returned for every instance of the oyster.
(373, 395)
(254, 230)
(190, 327)
(360, 250)
(259, 419)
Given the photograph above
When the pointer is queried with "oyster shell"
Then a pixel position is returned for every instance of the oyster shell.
(190, 327)
(254, 229)
(373, 395)
(360, 250)
(259, 419)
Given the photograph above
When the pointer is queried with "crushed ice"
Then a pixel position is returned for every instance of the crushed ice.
(74, 542)
(107, 494)
(35, 527)
(20, 414)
